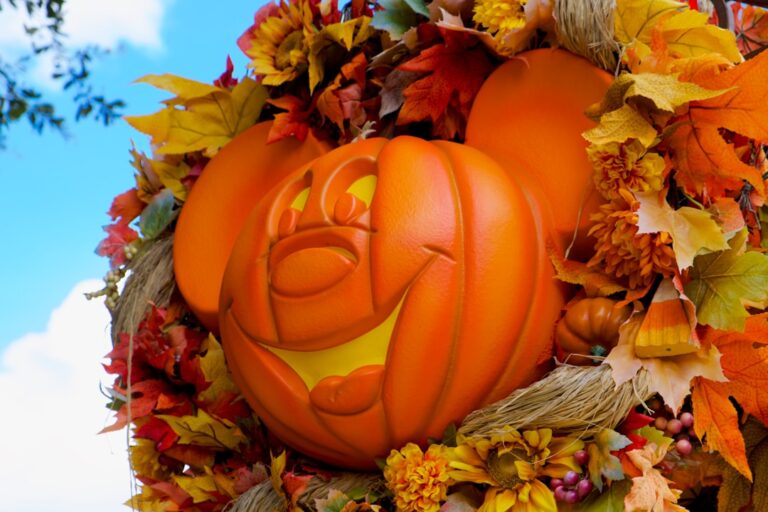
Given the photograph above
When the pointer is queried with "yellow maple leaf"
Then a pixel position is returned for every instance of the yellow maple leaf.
(687, 33)
(620, 125)
(200, 488)
(214, 368)
(693, 231)
(205, 430)
(194, 122)
(347, 34)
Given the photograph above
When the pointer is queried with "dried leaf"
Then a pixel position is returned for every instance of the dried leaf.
(214, 368)
(575, 272)
(620, 125)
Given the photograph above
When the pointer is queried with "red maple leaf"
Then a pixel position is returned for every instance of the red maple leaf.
(113, 247)
(126, 207)
(455, 72)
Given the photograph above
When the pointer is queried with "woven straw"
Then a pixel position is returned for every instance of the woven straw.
(150, 281)
(585, 27)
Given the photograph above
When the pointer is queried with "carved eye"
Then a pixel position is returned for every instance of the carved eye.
(356, 200)
(290, 216)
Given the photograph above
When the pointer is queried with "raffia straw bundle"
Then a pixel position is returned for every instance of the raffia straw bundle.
(151, 281)
(576, 400)
(585, 27)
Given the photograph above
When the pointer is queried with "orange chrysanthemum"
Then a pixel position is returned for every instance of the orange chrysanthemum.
(621, 251)
(619, 166)
(418, 480)
(280, 43)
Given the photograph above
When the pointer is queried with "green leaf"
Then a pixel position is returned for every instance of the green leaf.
(655, 436)
(398, 16)
(158, 214)
(723, 283)
(601, 462)
(333, 503)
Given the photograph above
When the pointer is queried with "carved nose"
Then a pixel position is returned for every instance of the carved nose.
(312, 270)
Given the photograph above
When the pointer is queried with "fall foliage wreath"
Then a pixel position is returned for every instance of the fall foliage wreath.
(658, 399)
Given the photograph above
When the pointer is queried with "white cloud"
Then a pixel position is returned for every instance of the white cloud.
(51, 408)
(106, 23)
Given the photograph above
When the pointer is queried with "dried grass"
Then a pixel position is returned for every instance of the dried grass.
(585, 27)
(150, 281)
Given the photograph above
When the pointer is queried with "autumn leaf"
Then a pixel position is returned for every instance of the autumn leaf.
(347, 35)
(200, 117)
(205, 430)
(687, 33)
(118, 237)
(610, 499)
(693, 231)
(601, 463)
(751, 27)
(651, 490)
(292, 123)
(721, 284)
(158, 214)
(126, 207)
(705, 163)
(620, 125)
(736, 491)
(397, 16)
(214, 368)
(575, 272)
(455, 72)
(665, 92)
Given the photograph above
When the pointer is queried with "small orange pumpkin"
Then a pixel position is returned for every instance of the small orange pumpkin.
(590, 328)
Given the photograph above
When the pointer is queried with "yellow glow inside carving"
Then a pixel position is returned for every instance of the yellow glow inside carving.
(363, 188)
(369, 349)
(301, 200)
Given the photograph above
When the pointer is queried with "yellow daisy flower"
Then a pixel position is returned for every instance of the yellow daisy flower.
(280, 45)
(511, 463)
(625, 166)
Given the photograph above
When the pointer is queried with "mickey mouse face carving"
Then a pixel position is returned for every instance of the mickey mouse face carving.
(382, 292)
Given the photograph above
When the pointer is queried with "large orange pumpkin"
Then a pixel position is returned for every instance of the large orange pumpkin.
(354, 328)
(218, 205)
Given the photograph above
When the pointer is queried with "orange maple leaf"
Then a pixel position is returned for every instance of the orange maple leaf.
(293, 123)
(751, 27)
(456, 70)
(745, 363)
(706, 164)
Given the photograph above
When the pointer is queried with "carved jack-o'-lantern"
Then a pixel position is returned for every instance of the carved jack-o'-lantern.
(355, 320)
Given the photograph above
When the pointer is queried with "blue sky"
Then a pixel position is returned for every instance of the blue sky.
(55, 194)
(56, 190)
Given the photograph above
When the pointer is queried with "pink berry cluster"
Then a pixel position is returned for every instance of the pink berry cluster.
(573, 487)
(679, 428)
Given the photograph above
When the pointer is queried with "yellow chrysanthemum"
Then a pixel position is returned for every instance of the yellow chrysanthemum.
(511, 463)
(419, 480)
(619, 166)
(622, 252)
(500, 16)
(281, 43)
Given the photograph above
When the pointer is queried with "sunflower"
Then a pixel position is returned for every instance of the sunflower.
(280, 43)
(621, 251)
(511, 463)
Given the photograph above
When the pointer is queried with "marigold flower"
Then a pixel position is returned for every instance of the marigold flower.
(621, 251)
(500, 16)
(419, 480)
(280, 43)
(511, 463)
(628, 166)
